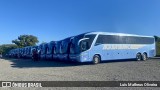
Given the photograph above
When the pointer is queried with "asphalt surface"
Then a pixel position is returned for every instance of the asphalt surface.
(126, 70)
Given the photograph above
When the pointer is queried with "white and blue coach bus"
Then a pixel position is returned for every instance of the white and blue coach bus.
(102, 46)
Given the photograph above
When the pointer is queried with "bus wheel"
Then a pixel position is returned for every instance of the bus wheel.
(96, 59)
(138, 57)
(144, 57)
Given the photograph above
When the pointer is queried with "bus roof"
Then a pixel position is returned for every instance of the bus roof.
(119, 34)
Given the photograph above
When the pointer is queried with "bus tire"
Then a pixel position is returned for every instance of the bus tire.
(138, 57)
(96, 59)
(144, 57)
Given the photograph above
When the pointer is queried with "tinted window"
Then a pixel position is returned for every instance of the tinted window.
(90, 40)
(50, 48)
(44, 49)
(64, 45)
(113, 39)
(74, 48)
(57, 48)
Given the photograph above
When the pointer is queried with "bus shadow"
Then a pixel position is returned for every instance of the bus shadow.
(157, 57)
(28, 63)
(128, 60)
(121, 60)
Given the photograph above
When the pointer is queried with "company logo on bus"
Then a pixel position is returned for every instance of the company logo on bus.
(121, 46)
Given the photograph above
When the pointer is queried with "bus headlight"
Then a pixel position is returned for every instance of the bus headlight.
(84, 56)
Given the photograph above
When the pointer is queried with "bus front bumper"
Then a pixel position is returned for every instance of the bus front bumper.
(63, 57)
(75, 58)
(79, 58)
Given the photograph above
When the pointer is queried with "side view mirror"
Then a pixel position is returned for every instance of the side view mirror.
(82, 40)
(96, 44)
(84, 46)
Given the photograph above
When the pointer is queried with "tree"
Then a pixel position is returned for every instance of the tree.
(25, 40)
(5, 48)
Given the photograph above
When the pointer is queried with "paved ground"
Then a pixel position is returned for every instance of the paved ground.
(130, 70)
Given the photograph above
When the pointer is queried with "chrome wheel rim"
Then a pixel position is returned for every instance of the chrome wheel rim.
(138, 57)
(96, 60)
(144, 57)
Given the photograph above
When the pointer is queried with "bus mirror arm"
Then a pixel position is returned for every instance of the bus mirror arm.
(82, 40)
(97, 44)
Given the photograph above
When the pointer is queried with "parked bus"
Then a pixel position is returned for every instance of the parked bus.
(29, 52)
(56, 54)
(43, 51)
(25, 52)
(20, 52)
(16, 53)
(65, 49)
(50, 50)
(34, 53)
(101, 46)
(13, 53)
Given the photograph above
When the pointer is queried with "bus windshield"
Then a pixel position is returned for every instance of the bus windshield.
(57, 48)
(64, 46)
(81, 43)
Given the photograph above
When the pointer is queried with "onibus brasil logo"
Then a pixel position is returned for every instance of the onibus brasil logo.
(21, 84)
